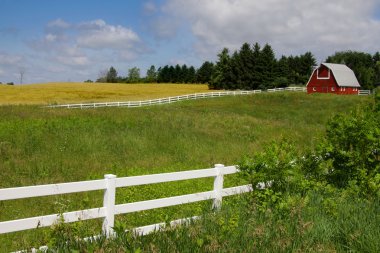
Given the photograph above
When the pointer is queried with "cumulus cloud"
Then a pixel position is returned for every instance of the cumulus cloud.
(78, 50)
(99, 35)
(290, 26)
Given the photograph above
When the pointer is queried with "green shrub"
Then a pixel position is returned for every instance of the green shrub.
(351, 149)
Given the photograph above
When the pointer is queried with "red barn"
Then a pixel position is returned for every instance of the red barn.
(333, 78)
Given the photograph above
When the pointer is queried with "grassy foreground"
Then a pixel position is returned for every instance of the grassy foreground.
(310, 225)
(41, 145)
(60, 93)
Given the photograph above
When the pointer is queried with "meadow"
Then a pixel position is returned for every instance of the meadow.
(60, 93)
(41, 145)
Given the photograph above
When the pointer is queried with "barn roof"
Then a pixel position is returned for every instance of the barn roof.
(344, 76)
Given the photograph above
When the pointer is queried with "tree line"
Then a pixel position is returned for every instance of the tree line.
(251, 67)
(257, 68)
(166, 74)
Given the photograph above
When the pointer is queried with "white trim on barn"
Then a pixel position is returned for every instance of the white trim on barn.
(323, 78)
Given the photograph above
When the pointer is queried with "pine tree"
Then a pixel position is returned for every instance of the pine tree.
(307, 62)
(177, 74)
(191, 75)
(246, 67)
(222, 66)
(151, 74)
(281, 73)
(268, 61)
(257, 67)
(204, 73)
(111, 75)
(182, 76)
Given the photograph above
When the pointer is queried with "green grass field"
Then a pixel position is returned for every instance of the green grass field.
(42, 145)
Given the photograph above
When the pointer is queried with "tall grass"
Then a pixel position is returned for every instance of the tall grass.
(308, 226)
(41, 145)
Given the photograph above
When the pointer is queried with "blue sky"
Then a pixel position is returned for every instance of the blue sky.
(68, 40)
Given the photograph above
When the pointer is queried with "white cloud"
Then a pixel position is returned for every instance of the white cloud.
(76, 51)
(58, 23)
(50, 37)
(73, 60)
(8, 59)
(98, 35)
(71, 55)
(290, 26)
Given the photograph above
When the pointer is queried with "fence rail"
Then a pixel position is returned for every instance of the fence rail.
(169, 100)
(364, 92)
(109, 184)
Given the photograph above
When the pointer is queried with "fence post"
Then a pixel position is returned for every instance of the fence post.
(109, 204)
(218, 187)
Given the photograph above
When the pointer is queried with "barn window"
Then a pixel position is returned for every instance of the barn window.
(332, 89)
(323, 74)
(314, 88)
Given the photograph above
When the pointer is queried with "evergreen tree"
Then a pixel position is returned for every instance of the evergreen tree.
(111, 75)
(281, 73)
(294, 66)
(177, 74)
(246, 67)
(163, 74)
(268, 62)
(172, 75)
(307, 62)
(204, 73)
(257, 67)
(218, 78)
(151, 74)
(183, 74)
(234, 74)
(191, 75)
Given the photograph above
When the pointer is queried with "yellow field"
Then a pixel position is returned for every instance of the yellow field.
(61, 93)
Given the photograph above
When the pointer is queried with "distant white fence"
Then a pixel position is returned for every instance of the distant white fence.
(364, 92)
(169, 100)
(109, 209)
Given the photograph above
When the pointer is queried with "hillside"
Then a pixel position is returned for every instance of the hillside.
(41, 145)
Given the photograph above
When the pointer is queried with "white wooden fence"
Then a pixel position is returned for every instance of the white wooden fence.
(364, 92)
(109, 209)
(169, 100)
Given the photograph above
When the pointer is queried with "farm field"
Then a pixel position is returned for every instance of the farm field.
(60, 93)
(42, 145)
